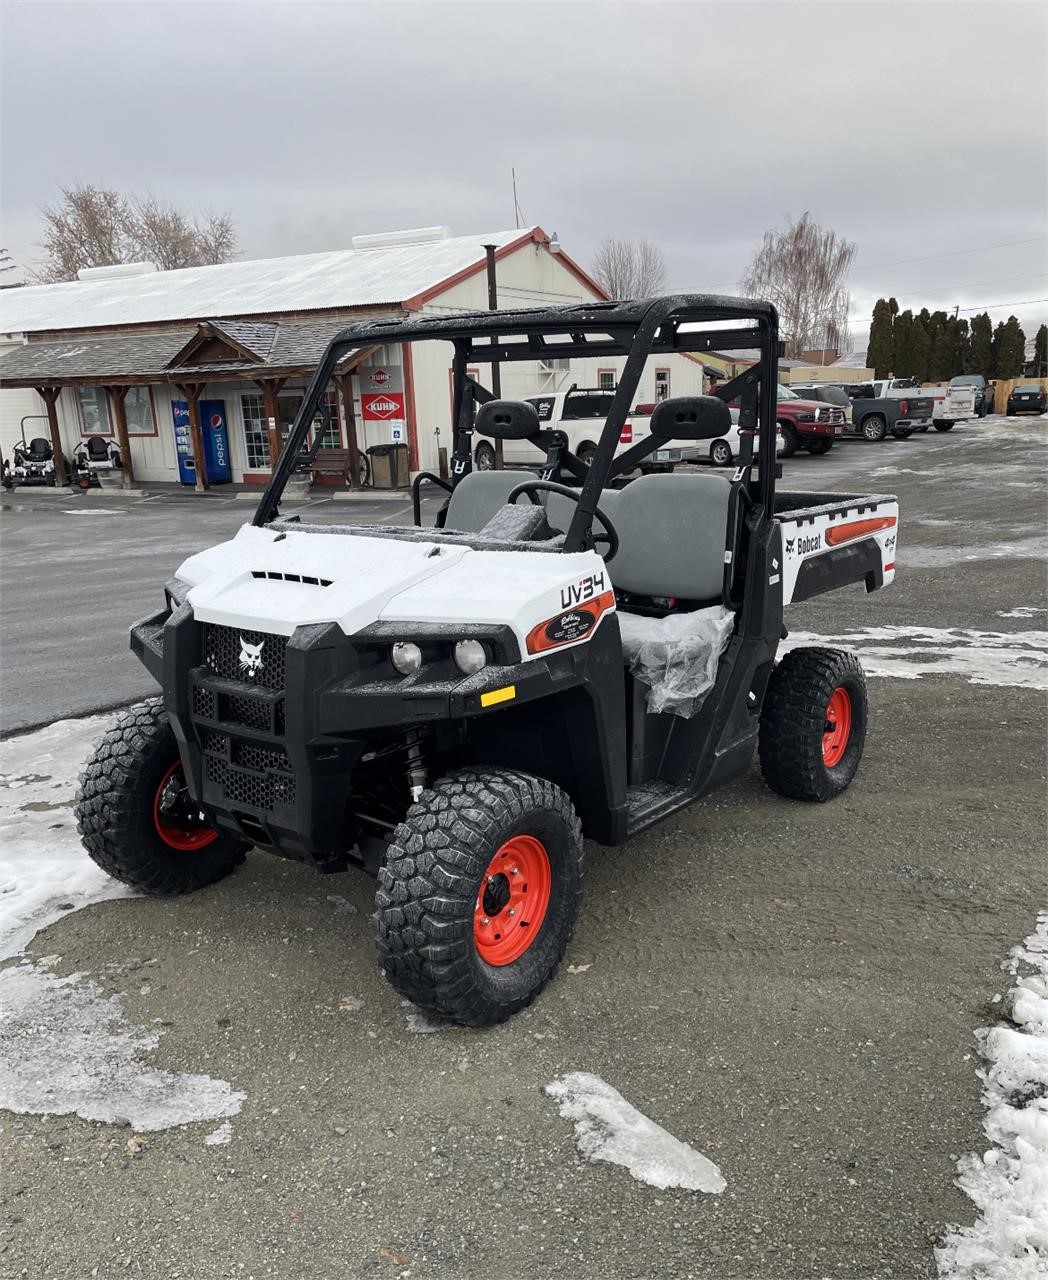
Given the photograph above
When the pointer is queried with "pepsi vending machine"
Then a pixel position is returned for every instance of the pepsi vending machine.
(214, 436)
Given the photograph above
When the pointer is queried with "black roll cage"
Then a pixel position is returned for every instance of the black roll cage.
(635, 329)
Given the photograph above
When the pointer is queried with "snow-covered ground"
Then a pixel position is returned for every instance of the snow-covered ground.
(64, 1046)
(1016, 659)
(45, 873)
(609, 1128)
(1009, 1184)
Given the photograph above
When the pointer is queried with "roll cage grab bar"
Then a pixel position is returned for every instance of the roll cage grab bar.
(636, 330)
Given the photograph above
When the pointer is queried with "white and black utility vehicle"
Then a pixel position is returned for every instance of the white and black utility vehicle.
(455, 708)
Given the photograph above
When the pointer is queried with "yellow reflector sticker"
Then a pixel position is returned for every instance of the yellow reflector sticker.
(506, 694)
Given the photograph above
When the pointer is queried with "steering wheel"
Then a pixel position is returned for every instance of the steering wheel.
(610, 534)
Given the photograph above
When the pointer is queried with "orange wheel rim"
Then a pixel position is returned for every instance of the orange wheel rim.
(512, 900)
(174, 825)
(837, 730)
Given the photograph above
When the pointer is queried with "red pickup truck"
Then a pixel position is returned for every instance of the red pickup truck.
(807, 424)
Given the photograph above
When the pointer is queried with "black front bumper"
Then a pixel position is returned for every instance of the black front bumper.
(271, 755)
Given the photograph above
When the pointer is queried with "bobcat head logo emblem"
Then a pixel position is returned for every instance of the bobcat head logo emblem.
(250, 657)
(789, 545)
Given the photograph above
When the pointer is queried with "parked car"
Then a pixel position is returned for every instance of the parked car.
(880, 406)
(952, 404)
(807, 424)
(827, 393)
(726, 450)
(983, 391)
(1029, 397)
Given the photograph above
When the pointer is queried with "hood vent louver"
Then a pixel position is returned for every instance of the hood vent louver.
(291, 577)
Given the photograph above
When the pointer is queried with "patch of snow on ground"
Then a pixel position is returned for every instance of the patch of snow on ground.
(1021, 611)
(65, 1048)
(1014, 659)
(220, 1136)
(45, 872)
(608, 1128)
(1009, 1184)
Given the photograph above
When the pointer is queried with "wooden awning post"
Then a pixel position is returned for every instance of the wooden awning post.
(50, 395)
(119, 408)
(192, 392)
(344, 382)
(270, 394)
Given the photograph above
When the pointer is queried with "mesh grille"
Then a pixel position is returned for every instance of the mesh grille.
(252, 756)
(249, 656)
(251, 712)
(205, 704)
(263, 791)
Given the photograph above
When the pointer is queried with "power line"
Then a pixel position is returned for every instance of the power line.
(998, 306)
(941, 293)
(954, 253)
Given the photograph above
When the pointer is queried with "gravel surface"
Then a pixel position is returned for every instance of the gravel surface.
(791, 989)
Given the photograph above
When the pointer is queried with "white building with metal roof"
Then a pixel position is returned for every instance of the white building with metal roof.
(155, 360)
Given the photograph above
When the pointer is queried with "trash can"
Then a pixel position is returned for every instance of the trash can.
(389, 466)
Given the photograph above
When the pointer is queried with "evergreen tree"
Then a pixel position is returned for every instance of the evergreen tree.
(1009, 349)
(1040, 353)
(940, 358)
(961, 338)
(921, 345)
(980, 350)
(902, 345)
(879, 352)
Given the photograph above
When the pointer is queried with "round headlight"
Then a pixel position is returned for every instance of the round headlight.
(407, 658)
(470, 657)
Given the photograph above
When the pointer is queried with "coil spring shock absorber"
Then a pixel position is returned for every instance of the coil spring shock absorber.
(416, 770)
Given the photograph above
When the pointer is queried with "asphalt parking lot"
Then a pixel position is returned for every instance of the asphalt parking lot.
(791, 989)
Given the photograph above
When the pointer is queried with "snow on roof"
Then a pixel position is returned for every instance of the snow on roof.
(852, 360)
(357, 277)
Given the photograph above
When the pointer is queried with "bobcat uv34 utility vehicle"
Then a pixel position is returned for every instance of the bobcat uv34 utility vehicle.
(453, 708)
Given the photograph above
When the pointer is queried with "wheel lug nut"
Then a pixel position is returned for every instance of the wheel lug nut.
(512, 911)
(514, 871)
(484, 920)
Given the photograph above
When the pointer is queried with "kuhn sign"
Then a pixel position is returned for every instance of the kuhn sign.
(382, 406)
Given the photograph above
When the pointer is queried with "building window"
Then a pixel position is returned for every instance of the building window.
(256, 434)
(662, 384)
(138, 408)
(332, 433)
(606, 379)
(94, 411)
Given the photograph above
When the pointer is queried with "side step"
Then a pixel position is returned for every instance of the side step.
(649, 802)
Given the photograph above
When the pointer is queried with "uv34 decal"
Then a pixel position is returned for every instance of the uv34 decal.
(571, 625)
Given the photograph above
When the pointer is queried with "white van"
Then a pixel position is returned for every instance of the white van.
(581, 413)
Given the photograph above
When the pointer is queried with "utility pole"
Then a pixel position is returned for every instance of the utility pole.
(496, 372)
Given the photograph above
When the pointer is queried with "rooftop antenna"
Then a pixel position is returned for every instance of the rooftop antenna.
(518, 217)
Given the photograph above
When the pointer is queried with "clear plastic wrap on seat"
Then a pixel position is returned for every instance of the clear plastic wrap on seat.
(676, 656)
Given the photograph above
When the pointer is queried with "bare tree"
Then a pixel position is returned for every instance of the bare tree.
(803, 271)
(627, 270)
(7, 263)
(99, 227)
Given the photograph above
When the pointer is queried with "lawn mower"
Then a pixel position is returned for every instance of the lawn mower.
(574, 653)
(32, 462)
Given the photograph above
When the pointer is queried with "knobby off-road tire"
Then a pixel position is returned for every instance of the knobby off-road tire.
(447, 937)
(813, 724)
(132, 774)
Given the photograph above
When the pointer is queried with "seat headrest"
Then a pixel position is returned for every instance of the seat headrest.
(691, 418)
(508, 420)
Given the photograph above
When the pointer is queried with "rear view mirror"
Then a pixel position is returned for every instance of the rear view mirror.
(691, 418)
(508, 420)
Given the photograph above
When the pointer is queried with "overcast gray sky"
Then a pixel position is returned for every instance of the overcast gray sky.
(914, 129)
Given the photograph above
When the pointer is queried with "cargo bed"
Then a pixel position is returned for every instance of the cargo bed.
(832, 539)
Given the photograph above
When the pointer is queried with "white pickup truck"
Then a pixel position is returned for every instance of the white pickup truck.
(581, 413)
(952, 403)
